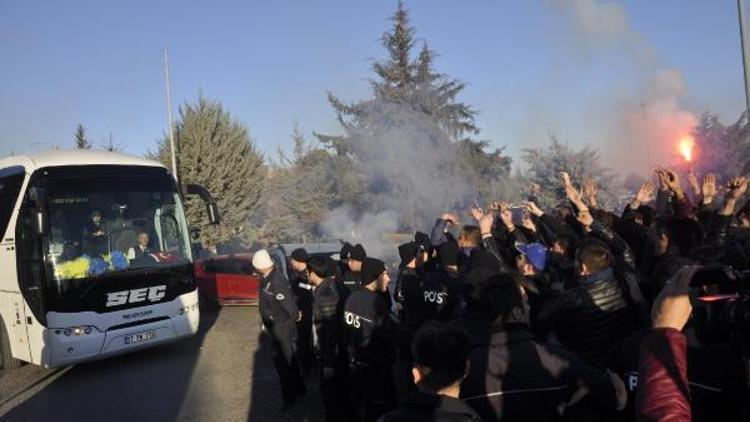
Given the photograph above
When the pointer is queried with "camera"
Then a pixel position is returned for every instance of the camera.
(721, 304)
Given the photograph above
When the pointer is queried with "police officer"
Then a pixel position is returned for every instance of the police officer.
(409, 284)
(373, 338)
(352, 257)
(329, 338)
(442, 290)
(279, 313)
(303, 291)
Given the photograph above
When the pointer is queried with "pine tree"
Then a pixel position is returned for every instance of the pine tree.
(545, 164)
(218, 153)
(410, 142)
(299, 192)
(81, 140)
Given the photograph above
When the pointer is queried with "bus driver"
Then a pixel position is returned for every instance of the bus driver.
(142, 248)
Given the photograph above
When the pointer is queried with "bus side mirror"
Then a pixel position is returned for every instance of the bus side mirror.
(36, 196)
(212, 210)
(41, 228)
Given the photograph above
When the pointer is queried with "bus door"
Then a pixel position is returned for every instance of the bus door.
(31, 277)
(11, 300)
(13, 303)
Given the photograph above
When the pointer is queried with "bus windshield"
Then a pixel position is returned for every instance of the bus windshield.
(114, 223)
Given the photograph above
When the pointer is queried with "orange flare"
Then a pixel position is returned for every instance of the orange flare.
(686, 148)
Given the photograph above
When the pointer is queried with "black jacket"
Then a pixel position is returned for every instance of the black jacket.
(349, 279)
(514, 377)
(591, 319)
(372, 336)
(441, 295)
(426, 407)
(328, 312)
(412, 302)
(276, 303)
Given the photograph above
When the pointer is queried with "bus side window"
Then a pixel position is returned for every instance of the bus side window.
(10, 186)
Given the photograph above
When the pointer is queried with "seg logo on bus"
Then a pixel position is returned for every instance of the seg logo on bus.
(152, 294)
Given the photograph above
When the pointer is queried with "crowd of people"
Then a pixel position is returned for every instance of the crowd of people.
(565, 313)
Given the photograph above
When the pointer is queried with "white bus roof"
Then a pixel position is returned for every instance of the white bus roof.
(78, 157)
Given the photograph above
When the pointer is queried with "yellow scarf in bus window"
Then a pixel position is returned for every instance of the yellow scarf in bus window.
(77, 268)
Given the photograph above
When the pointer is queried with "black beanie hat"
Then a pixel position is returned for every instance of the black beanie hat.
(346, 250)
(448, 253)
(371, 270)
(422, 239)
(300, 255)
(358, 253)
(408, 251)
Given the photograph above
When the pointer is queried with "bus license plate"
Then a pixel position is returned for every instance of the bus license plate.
(139, 337)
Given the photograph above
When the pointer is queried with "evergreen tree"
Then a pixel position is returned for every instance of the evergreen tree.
(299, 192)
(546, 164)
(720, 149)
(81, 140)
(217, 152)
(410, 143)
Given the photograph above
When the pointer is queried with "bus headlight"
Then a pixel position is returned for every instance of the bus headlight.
(75, 331)
(187, 309)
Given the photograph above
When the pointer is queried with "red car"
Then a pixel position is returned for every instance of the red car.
(227, 280)
(230, 279)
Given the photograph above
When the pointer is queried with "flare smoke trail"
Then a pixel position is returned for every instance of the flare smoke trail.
(644, 124)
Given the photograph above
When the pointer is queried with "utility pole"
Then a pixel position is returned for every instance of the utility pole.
(172, 149)
(745, 54)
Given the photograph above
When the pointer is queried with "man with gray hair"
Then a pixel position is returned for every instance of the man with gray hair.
(279, 313)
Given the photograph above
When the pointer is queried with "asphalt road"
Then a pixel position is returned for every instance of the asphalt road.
(222, 374)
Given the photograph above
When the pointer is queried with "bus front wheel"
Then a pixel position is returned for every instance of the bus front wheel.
(6, 357)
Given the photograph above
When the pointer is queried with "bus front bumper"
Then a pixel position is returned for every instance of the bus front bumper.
(74, 344)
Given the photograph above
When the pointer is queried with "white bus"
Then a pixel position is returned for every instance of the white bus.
(95, 257)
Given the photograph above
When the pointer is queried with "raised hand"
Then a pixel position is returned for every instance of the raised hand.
(566, 179)
(662, 176)
(671, 179)
(590, 190)
(585, 218)
(736, 188)
(477, 212)
(528, 223)
(532, 208)
(506, 216)
(672, 307)
(673, 183)
(709, 188)
(485, 223)
(575, 197)
(646, 192)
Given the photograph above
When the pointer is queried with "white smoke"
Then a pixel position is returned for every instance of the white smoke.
(641, 122)
(368, 229)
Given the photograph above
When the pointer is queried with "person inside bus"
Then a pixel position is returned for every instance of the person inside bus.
(95, 236)
(142, 249)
